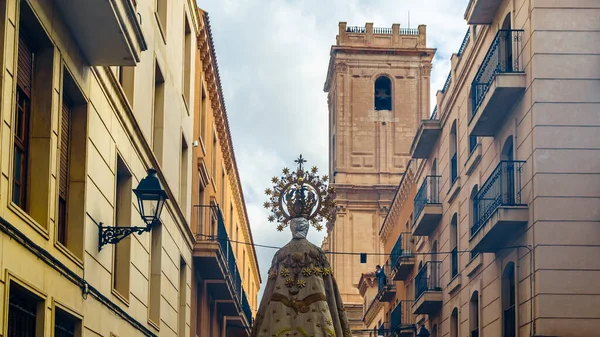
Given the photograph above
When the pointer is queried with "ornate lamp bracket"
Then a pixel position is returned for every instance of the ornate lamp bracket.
(112, 235)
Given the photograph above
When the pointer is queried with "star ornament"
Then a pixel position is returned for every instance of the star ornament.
(300, 193)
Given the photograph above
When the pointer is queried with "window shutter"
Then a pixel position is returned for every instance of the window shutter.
(25, 66)
(65, 132)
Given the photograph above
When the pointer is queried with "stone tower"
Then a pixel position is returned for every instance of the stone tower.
(378, 92)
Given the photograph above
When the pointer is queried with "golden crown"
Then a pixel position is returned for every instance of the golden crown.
(300, 194)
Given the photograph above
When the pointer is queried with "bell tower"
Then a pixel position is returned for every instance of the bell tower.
(378, 93)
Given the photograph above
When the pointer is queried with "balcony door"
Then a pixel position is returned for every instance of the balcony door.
(508, 172)
(506, 49)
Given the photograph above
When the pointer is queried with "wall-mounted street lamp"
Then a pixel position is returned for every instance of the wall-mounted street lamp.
(423, 332)
(151, 199)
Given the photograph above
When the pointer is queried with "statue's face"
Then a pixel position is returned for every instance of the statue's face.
(299, 227)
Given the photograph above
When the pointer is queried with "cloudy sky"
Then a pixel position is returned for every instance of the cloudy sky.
(273, 57)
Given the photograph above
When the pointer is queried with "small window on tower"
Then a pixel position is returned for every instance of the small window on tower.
(383, 93)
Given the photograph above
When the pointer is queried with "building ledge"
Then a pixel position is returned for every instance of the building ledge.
(454, 189)
(473, 160)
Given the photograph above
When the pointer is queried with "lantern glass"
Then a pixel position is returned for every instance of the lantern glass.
(151, 198)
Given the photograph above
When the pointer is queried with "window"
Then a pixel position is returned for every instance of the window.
(65, 325)
(472, 143)
(454, 245)
(473, 214)
(453, 154)
(125, 75)
(71, 177)
(182, 297)
(33, 99)
(25, 313)
(203, 108)
(237, 237)
(159, 113)
(223, 198)
(187, 58)
(155, 274)
(383, 93)
(474, 314)
(509, 293)
(23, 114)
(454, 323)
(161, 17)
(122, 250)
(244, 264)
(214, 156)
(201, 217)
(183, 175)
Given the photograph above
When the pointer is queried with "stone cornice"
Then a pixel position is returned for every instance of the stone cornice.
(367, 280)
(400, 199)
(430, 52)
(210, 67)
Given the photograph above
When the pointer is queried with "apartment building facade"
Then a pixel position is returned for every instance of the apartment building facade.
(94, 95)
(377, 84)
(504, 226)
(226, 274)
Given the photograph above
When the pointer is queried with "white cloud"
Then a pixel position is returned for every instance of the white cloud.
(273, 58)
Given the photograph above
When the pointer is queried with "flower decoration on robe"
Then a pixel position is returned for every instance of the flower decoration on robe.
(300, 193)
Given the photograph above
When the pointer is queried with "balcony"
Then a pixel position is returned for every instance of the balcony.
(386, 288)
(215, 263)
(498, 84)
(427, 207)
(425, 139)
(384, 330)
(402, 258)
(106, 31)
(402, 320)
(498, 211)
(428, 290)
(481, 12)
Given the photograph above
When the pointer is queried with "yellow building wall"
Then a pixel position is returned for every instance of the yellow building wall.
(217, 164)
(115, 126)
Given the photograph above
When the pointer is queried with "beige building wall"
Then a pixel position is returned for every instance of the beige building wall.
(216, 183)
(547, 107)
(124, 118)
(369, 145)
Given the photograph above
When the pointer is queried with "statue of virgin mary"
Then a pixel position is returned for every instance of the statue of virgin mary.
(301, 297)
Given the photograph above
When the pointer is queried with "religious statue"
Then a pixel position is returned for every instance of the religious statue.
(301, 297)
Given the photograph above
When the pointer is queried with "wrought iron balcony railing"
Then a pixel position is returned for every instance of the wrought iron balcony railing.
(428, 278)
(246, 308)
(502, 188)
(503, 57)
(402, 316)
(465, 42)
(429, 193)
(402, 248)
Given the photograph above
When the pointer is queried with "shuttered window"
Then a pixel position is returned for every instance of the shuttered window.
(21, 126)
(63, 187)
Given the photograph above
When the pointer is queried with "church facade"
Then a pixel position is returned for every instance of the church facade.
(493, 229)
(378, 92)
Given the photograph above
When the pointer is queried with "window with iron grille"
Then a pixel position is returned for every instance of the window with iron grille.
(64, 324)
(22, 313)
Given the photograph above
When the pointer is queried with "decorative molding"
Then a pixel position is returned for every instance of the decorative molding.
(215, 91)
(407, 182)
